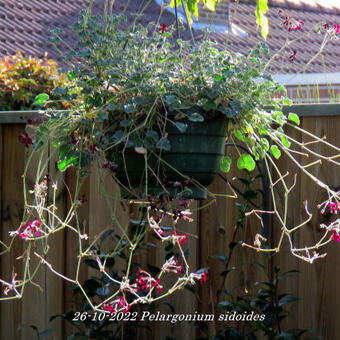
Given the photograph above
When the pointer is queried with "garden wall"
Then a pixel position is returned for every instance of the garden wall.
(317, 285)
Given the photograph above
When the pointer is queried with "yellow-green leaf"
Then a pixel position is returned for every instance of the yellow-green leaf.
(261, 19)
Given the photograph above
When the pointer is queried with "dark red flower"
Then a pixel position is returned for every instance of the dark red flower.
(93, 148)
(293, 56)
(25, 139)
(47, 178)
(110, 165)
(163, 29)
(83, 198)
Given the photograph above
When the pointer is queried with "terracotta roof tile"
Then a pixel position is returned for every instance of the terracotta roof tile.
(24, 26)
(306, 46)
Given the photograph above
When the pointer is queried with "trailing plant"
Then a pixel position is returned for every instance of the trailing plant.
(261, 306)
(127, 88)
(23, 78)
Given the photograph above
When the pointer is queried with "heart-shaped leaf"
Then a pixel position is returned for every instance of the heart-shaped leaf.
(246, 162)
(41, 99)
(225, 164)
(275, 151)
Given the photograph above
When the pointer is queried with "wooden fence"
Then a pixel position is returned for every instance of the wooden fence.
(317, 285)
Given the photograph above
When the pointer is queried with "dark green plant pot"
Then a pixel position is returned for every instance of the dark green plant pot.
(195, 154)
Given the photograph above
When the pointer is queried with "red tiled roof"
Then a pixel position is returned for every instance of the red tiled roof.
(24, 26)
(311, 12)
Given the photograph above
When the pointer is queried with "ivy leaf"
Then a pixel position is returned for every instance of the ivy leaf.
(118, 136)
(222, 258)
(101, 116)
(294, 118)
(224, 304)
(60, 91)
(129, 108)
(275, 151)
(181, 127)
(247, 162)
(225, 164)
(234, 109)
(261, 19)
(285, 299)
(163, 144)
(171, 99)
(196, 117)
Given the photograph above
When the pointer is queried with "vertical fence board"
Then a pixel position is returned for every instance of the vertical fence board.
(72, 245)
(54, 285)
(212, 241)
(13, 155)
(319, 303)
(296, 214)
(35, 294)
(184, 301)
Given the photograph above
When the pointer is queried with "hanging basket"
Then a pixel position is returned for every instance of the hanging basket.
(194, 157)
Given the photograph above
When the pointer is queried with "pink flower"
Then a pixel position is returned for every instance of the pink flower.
(337, 28)
(291, 23)
(299, 26)
(334, 207)
(145, 281)
(30, 229)
(201, 277)
(114, 306)
(180, 238)
(204, 277)
(172, 265)
(108, 307)
(336, 236)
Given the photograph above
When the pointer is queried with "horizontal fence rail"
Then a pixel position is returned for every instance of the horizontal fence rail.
(303, 110)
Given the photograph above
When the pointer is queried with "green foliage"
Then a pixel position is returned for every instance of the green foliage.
(138, 80)
(261, 19)
(225, 164)
(246, 162)
(23, 78)
(192, 10)
(294, 118)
